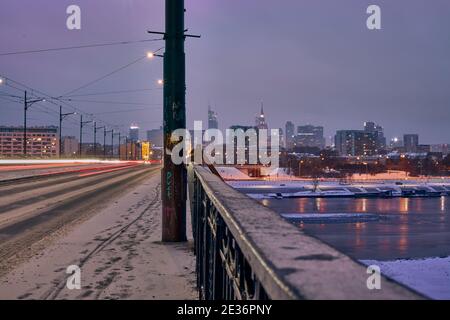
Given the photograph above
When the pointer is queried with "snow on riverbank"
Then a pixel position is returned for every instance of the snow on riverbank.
(430, 276)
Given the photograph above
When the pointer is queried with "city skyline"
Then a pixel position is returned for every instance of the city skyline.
(347, 71)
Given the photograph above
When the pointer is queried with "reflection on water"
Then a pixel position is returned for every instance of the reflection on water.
(408, 227)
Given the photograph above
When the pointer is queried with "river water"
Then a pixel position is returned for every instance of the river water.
(408, 228)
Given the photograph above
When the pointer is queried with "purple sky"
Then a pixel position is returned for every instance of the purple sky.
(309, 61)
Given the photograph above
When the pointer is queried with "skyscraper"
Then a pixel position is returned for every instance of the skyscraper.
(213, 123)
(290, 133)
(260, 121)
(310, 136)
(371, 127)
(411, 142)
(356, 143)
(134, 133)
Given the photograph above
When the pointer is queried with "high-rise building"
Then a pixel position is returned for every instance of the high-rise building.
(356, 143)
(134, 133)
(213, 123)
(41, 141)
(290, 133)
(411, 142)
(260, 121)
(282, 141)
(155, 137)
(371, 127)
(310, 136)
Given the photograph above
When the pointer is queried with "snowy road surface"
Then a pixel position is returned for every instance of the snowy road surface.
(118, 250)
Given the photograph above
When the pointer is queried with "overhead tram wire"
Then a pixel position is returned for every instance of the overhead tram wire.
(61, 101)
(114, 102)
(112, 92)
(108, 75)
(50, 99)
(122, 111)
(33, 91)
(79, 47)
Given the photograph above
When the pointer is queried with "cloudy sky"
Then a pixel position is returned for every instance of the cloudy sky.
(309, 61)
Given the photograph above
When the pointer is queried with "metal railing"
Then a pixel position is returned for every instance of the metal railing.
(246, 251)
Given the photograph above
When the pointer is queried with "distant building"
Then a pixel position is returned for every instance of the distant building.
(213, 123)
(440, 148)
(69, 146)
(282, 141)
(91, 149)
(155, 137)
(134, 133)
(411, 142)
(42, 142)
(371, 127)
(309, 136)
(356, 143)
(242, 155)
(396, 143)
(423, 148)
(290, 134)
(260, 121)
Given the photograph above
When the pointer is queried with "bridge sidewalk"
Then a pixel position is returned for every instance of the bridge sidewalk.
(119, 254)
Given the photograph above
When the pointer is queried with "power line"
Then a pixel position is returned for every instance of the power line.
(112, 92)
(34, 91)
(8, 99)
(122, 111)
(109, 74)
(79, 47)
(113, 102)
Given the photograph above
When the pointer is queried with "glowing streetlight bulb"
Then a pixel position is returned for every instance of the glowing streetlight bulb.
(160, 82)
(150, 55)
(2, 81)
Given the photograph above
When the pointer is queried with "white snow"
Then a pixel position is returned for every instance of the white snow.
(230, 173)
(430, 276)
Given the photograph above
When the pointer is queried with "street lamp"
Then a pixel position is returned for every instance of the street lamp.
(2, 81)
(160, 82)
(62, 116)
(300, 168)
(27, 104)
(151, 55)
(82, 123)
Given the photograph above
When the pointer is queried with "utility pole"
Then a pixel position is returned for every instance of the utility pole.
(95, 137)
(119, 145)
(174, 176)
(126, 148)
(26, 104)
(104, 140)
(117, 134)
(82, 123)
(112, 144)
(25, 124)
(61, 118)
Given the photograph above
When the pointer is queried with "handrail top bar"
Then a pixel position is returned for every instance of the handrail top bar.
(288, 263)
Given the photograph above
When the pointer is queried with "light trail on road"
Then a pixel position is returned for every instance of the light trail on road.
(34, 209)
